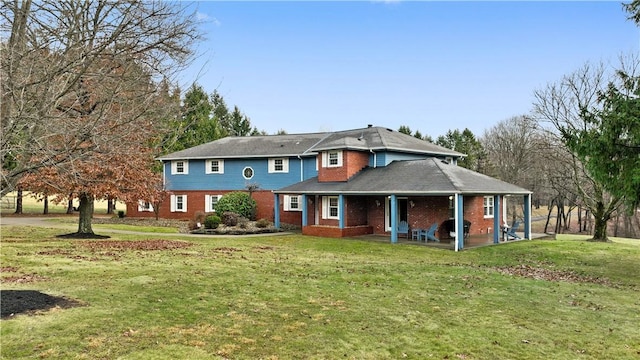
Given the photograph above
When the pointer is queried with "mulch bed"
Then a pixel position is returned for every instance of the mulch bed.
(16, 302)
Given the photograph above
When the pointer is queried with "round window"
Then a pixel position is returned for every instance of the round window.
(247, 173)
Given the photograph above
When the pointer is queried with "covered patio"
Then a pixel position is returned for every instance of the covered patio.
(388, 201)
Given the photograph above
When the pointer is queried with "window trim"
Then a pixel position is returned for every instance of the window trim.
(486, 207)
(326, 158)
(145, 206)
(288, 200)
(253, 173)
(207, 202)
(174, 203)
(174, 167)
(272, 165)
(209, 164)
(326, 207)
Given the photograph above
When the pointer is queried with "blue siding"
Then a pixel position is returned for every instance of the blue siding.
(232, 178)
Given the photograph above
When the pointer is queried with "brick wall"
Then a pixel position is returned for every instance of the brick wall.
(195, 203)
(352, 163)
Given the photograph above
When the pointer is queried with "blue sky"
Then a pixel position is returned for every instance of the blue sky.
(433, 66)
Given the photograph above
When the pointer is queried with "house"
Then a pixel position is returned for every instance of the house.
(344, 183)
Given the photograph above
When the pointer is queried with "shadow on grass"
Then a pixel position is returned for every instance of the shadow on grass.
(77, 235)
(16, 302)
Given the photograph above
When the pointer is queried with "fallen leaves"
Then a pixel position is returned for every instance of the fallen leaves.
(547, 274)
(146, 245)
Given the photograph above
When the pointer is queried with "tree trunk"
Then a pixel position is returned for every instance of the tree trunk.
(19, 201)
(548, 216)
(46, 205)
(86, 214)
(600, 224)
(70, 204)
(110, 206)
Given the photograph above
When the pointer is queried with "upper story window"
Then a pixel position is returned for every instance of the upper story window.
(179, 167)
(488, 206)
(279, 165)
(332, 158)
(214, 167)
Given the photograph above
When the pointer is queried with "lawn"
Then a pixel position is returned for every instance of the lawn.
(297, 297)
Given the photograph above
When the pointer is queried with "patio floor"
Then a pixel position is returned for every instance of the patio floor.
(470, 242)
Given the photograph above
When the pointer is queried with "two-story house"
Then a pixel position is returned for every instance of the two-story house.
(344, 183)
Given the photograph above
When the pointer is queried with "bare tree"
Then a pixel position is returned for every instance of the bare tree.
(81, 90)
(66, 68)
(512, 154)
(562, 107)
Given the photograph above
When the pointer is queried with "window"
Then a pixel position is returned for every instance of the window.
(247, 173)
(215, 167)
(210, 202)
(179, 167)
(292, 203)
(144, 206)
(179, 203)
(330, 207)
(332, 158)
(488, 206)
(279, 165)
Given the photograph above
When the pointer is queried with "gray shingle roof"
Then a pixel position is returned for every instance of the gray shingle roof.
(371, 138)
(412, 177)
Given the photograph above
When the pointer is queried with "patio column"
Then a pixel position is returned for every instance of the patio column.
(341, 211)
(459, 222)
(276, 211)
(496, 219)
(393, 208)
(303, 200)
(527, 216)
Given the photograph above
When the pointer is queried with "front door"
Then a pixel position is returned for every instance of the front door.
(401, 211)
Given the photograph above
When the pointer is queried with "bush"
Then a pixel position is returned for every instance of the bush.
(243, 223)
(120, 214)
(230, 218)
(199, 217)
(262, 223)
(237, 202)
(212, 222)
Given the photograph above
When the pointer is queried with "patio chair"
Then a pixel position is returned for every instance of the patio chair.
(403, 228)
(510, 232)
(431, 233)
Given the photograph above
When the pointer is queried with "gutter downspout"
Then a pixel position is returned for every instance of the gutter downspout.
(375, 158)
(301, 168)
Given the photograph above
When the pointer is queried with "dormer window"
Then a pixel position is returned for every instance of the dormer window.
(332, 158)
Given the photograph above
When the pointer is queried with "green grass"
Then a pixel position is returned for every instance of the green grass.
(125, 227)
(296, 297)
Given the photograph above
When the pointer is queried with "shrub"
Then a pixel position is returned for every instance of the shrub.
(193, 225)
(120, 214)
(212, 222)
(199, 217)
(230, 218)
(243, 222)
(262, 223)
(237, 202)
